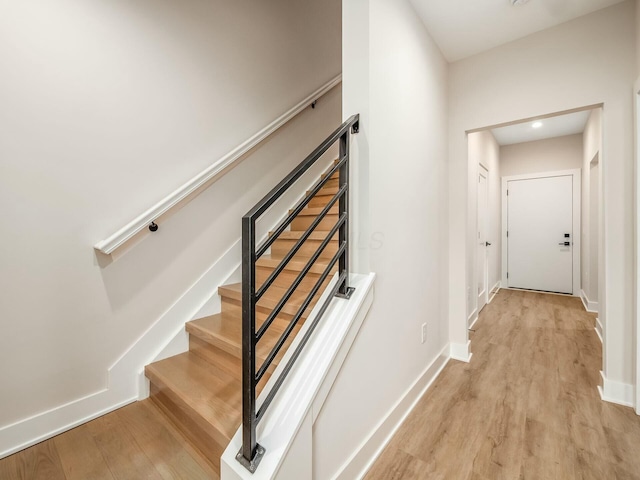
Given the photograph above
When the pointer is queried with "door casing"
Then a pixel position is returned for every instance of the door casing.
(482, 274)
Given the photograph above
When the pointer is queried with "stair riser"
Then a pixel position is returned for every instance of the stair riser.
(302, 222)
(309, 247)
(191, 428)
(210, 352)
(285, 278)
(333, 182)
(234, 307)
(214, 352)
(319, 200)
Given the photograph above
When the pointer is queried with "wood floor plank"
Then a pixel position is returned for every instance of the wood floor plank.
(40, 462)
(525, 407)
(398, 465)
(120, 450)
(80, 456)
(9, 467)
(160, 445)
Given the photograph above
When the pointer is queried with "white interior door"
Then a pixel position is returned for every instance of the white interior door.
(482, 273)
(540, 233)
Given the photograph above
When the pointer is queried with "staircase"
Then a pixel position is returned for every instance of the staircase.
(200, 390)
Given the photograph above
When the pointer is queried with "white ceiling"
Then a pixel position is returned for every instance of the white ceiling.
(462, 28)
(558, 126)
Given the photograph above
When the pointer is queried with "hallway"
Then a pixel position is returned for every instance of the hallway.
(525, 407)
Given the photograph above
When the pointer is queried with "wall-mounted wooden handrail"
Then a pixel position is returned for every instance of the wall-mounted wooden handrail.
(218, 169)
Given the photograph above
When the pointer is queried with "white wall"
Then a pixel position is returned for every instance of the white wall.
(637, 38)
(107, 106)
(591, 198)
(406, 129)
(549, 155)
(637, 205)
(484, 149)
(583, 62)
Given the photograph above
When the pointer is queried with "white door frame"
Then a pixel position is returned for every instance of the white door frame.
(484, 172)
(636, 107)
(575, 173)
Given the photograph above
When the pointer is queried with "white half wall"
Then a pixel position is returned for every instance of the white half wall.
(405, 172)
(593, 62)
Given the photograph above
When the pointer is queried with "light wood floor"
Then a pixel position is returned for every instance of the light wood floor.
(135, 442)
(525, 407)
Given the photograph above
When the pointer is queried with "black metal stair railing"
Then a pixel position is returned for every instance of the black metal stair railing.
(251, 452)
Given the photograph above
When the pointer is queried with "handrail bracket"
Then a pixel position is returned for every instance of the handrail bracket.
(251, 465)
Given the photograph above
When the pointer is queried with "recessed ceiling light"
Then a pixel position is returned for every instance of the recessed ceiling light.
(518, 2)
(536, 124)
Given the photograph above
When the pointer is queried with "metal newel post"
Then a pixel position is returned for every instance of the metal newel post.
(343, 236)
(251, 453)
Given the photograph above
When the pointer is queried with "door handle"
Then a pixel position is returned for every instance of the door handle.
(487, 244)
(565, 244)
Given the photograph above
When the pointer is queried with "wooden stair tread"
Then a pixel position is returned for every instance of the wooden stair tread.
(296, 234)
(270, 298)
(212, 394)
(315, 211)
(336, 174)
(201, 390)
(325, 191)
(224, 331)
(296, 265)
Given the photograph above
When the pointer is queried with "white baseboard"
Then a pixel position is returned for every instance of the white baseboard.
(35, 429)
(360, 462)
(616, 392)
(126, 381)
(589, 306)
(473, 318)
(599, 330)
(460, 351)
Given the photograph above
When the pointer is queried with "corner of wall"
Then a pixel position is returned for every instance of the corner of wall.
(616, 392)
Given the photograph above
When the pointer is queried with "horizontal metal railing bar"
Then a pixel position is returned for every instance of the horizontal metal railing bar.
(296, 318)
(282, 187)
(251, 452)
(287, 258)
(276, 310)
(278, 383)
(294, 213)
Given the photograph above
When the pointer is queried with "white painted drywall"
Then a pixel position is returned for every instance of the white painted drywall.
(492, 156)
(355, 99)
(637, 38)
(587, 61)
(484, 149)
(549, 155)
(591, 197)
(107, 106)
(406, 130)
